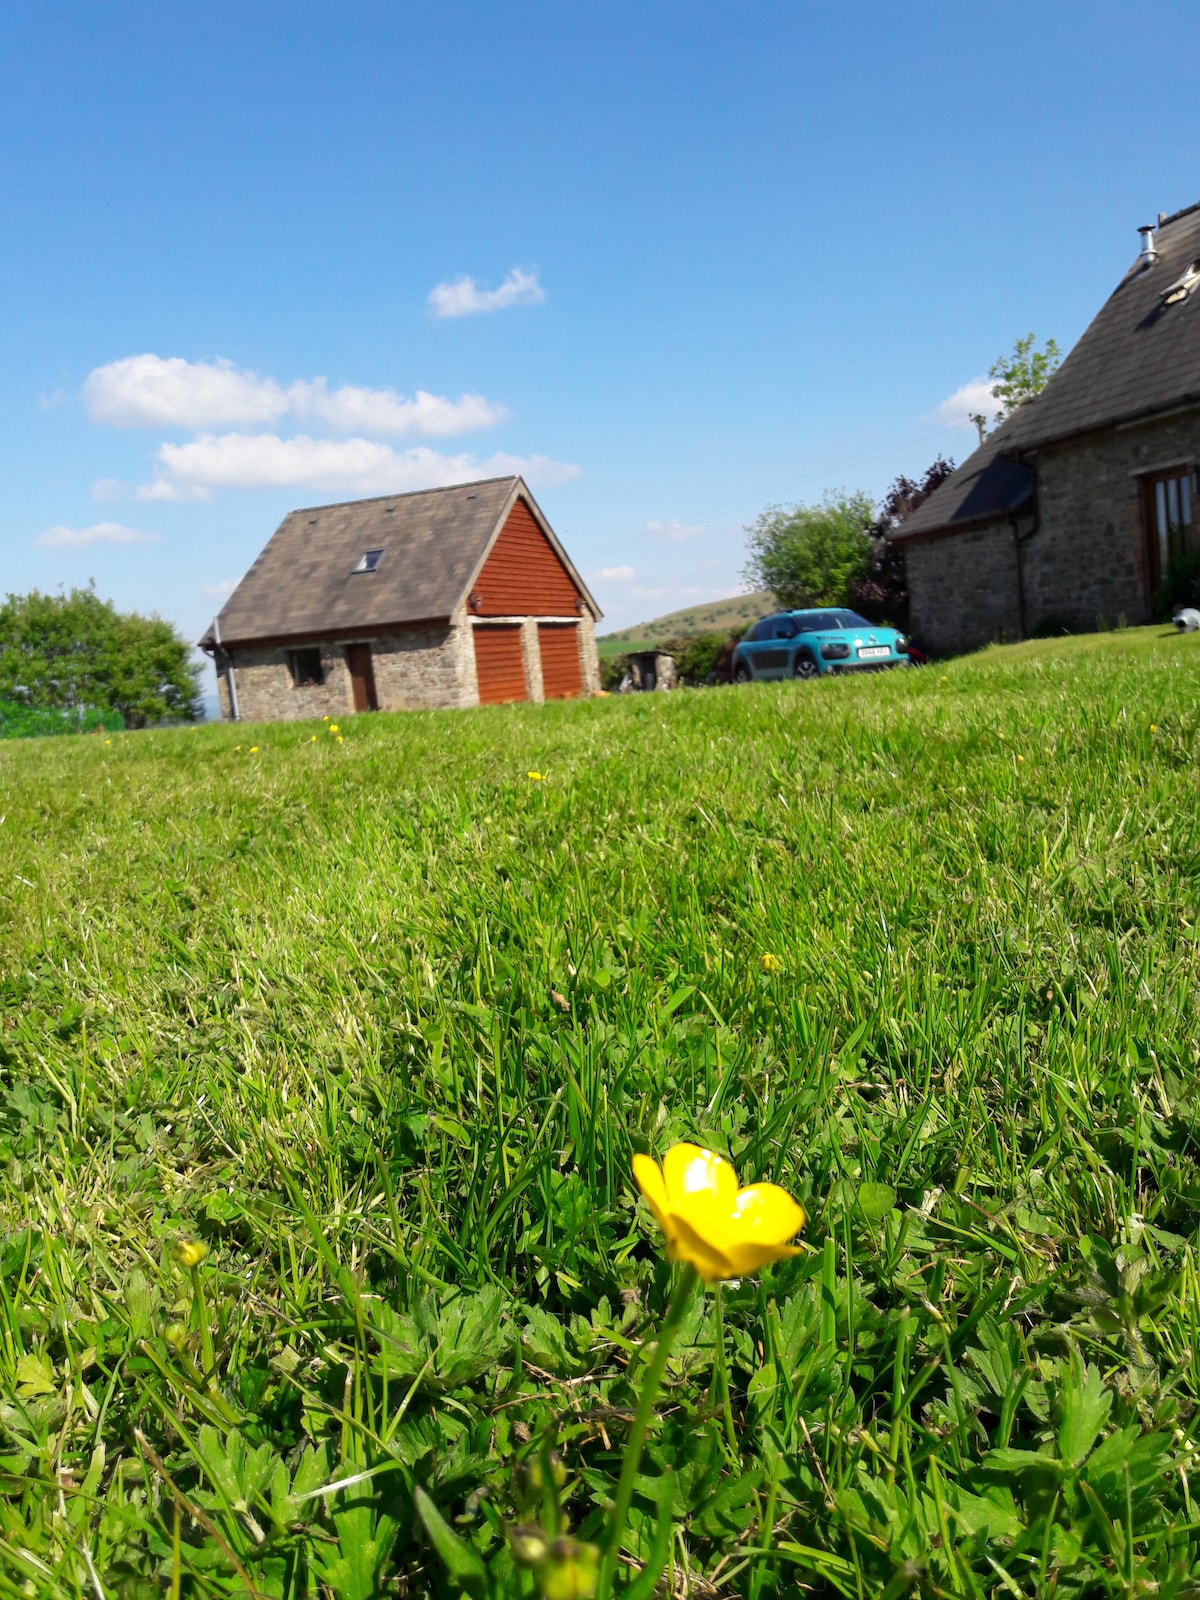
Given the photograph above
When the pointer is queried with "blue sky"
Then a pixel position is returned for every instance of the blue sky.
(719, 256)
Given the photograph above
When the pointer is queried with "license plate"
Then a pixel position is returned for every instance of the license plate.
(868, 652)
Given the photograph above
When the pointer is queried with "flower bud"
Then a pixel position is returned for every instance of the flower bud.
(570, 1571)
(528, 1546)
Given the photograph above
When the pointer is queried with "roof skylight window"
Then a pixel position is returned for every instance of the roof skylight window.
(369, 561)
(1183, 285)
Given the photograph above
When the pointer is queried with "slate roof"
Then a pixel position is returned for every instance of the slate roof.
(1136, 358)
(303, 585)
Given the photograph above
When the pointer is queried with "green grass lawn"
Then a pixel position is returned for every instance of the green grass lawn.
(381, 1023)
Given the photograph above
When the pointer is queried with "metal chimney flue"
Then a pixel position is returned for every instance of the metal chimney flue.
(1147, 255)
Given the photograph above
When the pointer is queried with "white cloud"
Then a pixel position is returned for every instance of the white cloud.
(218, 591)
(463, 299)
(956, 410)
(639, 593)
(355, 466)
(61, 537)
(617, 574)
(675, 529)
(351, 409)
(108, 489)
(150, 391)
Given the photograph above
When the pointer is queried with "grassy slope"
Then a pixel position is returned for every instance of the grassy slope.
(685, 624)
(383, 1022)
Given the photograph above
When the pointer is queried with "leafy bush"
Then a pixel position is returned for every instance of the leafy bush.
(612, 671)
(69, 651)
(811, 555)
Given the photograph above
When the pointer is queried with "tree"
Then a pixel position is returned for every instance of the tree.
(881, 594)
(75, 652)
(1023, 374)
(810, 555)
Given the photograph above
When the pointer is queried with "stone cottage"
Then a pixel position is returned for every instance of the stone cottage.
(1075, 510)
(446, 598)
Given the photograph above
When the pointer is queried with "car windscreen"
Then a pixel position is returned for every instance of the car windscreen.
(826, 621)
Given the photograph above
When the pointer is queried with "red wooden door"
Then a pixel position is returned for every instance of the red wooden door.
(362, 677)
(499, 665)
(562, 678)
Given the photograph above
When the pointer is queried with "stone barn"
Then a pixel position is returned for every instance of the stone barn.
(443, 599)
(1080, 510)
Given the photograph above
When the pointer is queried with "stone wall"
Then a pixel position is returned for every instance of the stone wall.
(963, 589)
(266, 693)
(1083, 568)
(427, 670)
(531, 655)
(589, 658)
(421, 669)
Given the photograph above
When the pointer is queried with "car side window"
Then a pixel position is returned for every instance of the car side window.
(758, 631)
(785, 628)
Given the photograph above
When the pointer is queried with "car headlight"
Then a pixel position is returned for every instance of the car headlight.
(835, 652)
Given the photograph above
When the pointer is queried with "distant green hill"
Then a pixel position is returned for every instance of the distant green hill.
(714, 617)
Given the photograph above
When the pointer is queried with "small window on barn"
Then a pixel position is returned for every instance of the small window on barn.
(369, 560)
(306, 667)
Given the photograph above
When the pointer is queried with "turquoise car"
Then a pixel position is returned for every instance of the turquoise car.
(808, 644)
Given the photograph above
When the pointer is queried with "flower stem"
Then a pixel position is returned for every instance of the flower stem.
(206, 1345)
(688, 1278)
(723, 1377)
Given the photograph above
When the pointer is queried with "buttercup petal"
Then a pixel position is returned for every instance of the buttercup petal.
(767, 1214)
(649, 1179)
(709, 1261)
(689, 1171)
(747, 1255)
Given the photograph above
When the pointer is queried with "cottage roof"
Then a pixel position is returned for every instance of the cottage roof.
(1138, 357)
(434, 542)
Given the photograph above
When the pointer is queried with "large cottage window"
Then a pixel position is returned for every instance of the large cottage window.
(1169, 526)
(306, 667)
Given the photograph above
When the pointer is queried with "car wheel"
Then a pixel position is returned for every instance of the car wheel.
(741, 673)
(805, 667)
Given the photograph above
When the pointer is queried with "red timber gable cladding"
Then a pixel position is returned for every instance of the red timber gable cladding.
(523, 576)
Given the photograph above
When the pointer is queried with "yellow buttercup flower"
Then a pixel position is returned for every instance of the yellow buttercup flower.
(333, 728)
(190, 1252)
(340, 740)
(722, 1230)
(770, 963)
(253, 749)
(537, 777)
